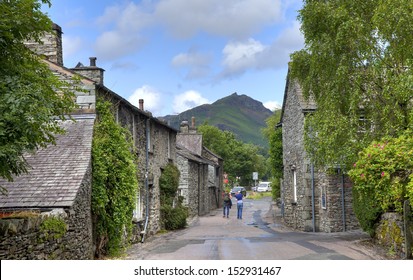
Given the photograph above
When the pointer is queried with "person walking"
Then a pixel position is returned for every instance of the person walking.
(240, 204)
(227, 204)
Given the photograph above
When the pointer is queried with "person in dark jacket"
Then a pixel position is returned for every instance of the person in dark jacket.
(227, 204)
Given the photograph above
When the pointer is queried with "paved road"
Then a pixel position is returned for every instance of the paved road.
(259, 236)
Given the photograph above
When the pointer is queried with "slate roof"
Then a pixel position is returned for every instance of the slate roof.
(182, 151)
(56, 172)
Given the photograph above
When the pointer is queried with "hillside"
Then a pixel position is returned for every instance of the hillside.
(240, 114)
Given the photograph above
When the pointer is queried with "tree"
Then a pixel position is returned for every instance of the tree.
(240, 159)
(274, 136)
(357, 65)
(32, 98)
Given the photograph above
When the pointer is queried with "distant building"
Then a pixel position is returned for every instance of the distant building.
(201, 172)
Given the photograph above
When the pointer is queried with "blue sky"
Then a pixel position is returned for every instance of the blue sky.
(179, 54)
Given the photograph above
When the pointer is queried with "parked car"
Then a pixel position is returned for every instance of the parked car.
(254, 188)
(235, 190)
(264, 187)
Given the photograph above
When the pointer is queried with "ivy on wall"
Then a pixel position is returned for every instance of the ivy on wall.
(115, 183)
(173, 213)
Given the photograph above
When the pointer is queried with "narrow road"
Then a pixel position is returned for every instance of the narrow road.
(259, 236)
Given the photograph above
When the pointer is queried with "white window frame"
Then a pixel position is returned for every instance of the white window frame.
(323, 198)
(295, 186)
(137, 212)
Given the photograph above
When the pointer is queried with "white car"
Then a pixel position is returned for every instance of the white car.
(264, 187)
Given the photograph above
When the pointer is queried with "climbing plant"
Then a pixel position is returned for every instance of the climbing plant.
(115, 183)
(173, 212)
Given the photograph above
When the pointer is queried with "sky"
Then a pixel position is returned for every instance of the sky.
(179, 54)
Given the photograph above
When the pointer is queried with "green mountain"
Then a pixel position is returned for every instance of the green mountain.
(240, 114)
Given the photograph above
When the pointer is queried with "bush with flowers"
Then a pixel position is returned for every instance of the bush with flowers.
(383, 178)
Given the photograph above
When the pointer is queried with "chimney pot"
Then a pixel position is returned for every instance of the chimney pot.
(92, 61)
(193, 122)
(141, 104)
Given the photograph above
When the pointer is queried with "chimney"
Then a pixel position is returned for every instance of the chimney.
(92, 61)
(141, 104)
(92, 71)
(184, 128)
(193, 122)
(51, 47)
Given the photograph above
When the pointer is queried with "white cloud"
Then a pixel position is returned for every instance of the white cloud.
(197, 63)
(123, 24)
(229, 18)
(272, 105)
(238, 57)
(71, 45)
(123, 38)
(115, 44)
(152, 99)
(278, 53)
(188, 100)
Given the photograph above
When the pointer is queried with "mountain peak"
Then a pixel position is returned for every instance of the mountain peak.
(240, 114)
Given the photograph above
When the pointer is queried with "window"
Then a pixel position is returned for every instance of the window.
(137, 212)
(295, 186)
(323, 197)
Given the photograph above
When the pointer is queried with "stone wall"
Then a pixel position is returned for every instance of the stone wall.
(162, 150)
(297, 214)
(331, 216)
(215, 178)
(26, 236)
(213, 184)
(188, 186)
(391, 234)
(203, 190)
(51, 47)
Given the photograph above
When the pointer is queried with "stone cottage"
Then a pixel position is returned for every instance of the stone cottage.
(312, 199)
(154, 140)
(56, 189)
(201, 180)
(155, 143)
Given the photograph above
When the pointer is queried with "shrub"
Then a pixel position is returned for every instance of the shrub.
(174, 218)
(169, 183)
(173, 215)
(383, 178)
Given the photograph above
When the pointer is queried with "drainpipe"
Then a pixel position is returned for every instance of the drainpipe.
(146, 180)
(343, 201)
(199, 189)
(312, 197)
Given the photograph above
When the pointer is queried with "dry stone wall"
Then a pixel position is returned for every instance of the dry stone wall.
(55, 234)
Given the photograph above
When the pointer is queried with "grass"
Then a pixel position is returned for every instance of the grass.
(258, 195)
